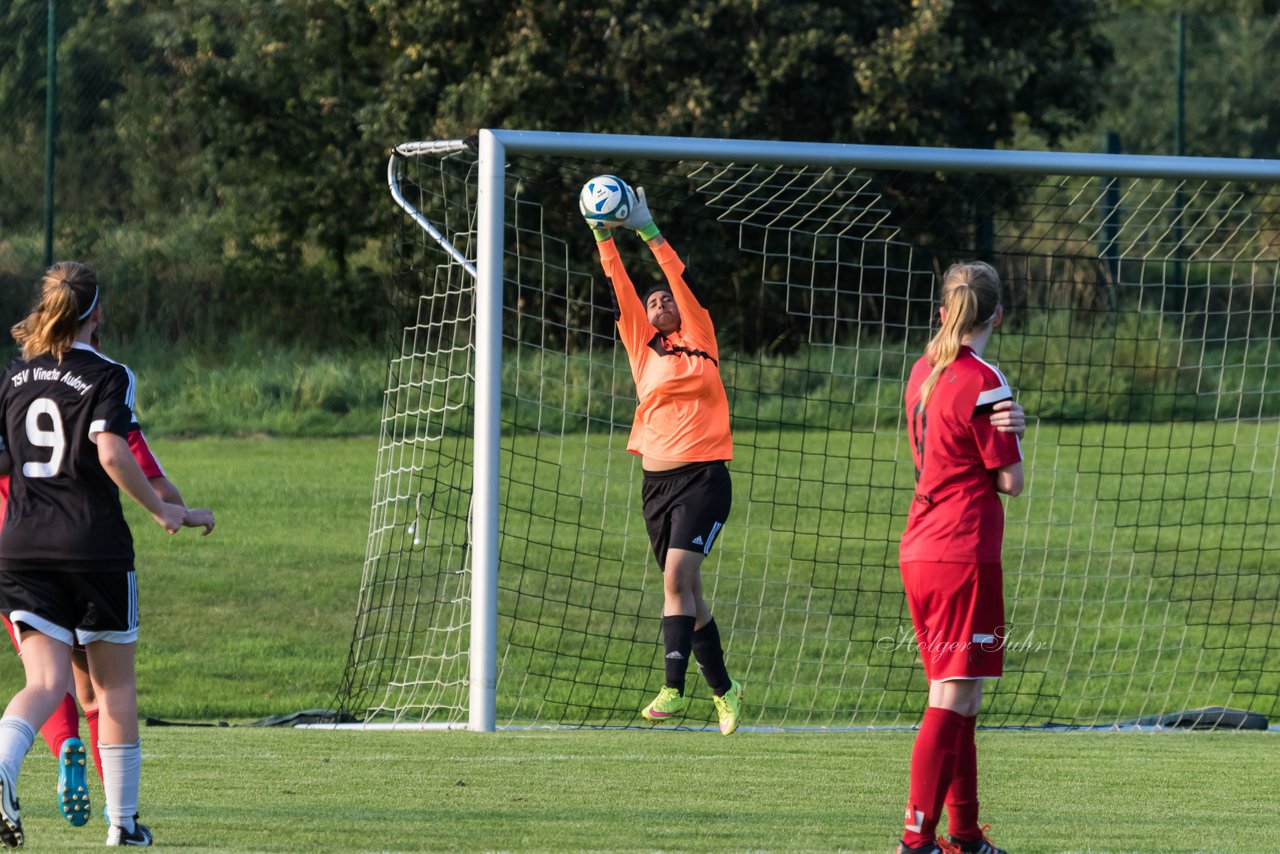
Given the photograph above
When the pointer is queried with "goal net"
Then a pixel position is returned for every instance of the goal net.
(1142, 562)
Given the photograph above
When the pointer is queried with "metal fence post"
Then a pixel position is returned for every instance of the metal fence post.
(50, 127)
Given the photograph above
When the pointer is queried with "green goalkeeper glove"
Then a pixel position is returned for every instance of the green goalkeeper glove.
(639, 218)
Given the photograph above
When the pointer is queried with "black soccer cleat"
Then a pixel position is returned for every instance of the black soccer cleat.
(140, 837)
(927, 848)
(10, 816)
(981, 845)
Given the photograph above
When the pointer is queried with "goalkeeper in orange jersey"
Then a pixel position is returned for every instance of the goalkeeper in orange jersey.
(681, 434)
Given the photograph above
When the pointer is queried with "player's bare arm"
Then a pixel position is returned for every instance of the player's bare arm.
(199, 517)
(166, 490)
(118, 462)
(1009, 479)
(196, 517)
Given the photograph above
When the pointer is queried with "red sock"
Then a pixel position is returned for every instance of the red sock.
(91, 718)
(64, 723)
(962, 797)
(933, 762)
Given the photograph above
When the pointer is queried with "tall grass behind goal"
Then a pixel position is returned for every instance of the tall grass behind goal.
(1142, 562)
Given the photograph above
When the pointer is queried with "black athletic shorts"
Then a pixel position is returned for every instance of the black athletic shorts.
(73, 606)
(685, 508)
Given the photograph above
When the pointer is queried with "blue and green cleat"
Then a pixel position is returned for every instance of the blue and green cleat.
(73, 786)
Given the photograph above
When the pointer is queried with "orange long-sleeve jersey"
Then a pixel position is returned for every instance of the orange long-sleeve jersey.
(683, 412)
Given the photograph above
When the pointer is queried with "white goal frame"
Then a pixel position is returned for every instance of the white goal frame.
(496, 145)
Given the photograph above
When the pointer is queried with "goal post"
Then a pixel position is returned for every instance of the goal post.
(507, 576)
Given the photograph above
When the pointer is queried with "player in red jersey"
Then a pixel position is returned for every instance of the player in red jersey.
(61, 733)
(66, 554)
(681, 433)
(950, 556)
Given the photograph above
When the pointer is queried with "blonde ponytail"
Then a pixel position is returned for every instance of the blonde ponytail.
(68, 295)
(970, 294)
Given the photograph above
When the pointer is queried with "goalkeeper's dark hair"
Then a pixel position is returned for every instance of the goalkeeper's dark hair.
(970, 294)
(653, 289)
(68, 295)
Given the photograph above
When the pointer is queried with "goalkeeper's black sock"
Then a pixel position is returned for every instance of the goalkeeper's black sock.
(677, 638)
(710, 655)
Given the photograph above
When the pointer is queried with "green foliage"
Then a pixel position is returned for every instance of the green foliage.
(885, 71)
(237, 149)
(247, 387)
(20, 254)
(1044, 76)
(22, 103)
(1231, 63)
(225, 160)
(213, 147)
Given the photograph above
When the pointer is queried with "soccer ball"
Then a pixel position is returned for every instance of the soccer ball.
(605, 201)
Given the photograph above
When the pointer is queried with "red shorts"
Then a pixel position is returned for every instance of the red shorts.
(958, 612)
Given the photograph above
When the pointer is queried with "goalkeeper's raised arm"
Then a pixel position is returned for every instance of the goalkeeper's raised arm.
(676, 308)
(681, 433)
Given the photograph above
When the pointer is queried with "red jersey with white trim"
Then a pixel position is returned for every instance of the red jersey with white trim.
(956, 514)
(683, 411)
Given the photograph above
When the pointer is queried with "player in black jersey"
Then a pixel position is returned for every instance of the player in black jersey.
(61, 732)
(66, 554)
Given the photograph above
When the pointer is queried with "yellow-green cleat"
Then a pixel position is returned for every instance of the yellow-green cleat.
(729, 708)
(668, 703)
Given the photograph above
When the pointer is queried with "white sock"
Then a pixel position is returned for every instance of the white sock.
(16, 738)
(121, 772)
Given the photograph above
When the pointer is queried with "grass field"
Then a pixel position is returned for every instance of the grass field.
(256, 620)
(290, 790)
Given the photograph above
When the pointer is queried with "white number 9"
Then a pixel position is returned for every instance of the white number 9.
(52, 438)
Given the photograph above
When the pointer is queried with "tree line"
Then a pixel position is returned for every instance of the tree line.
(224, 161)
